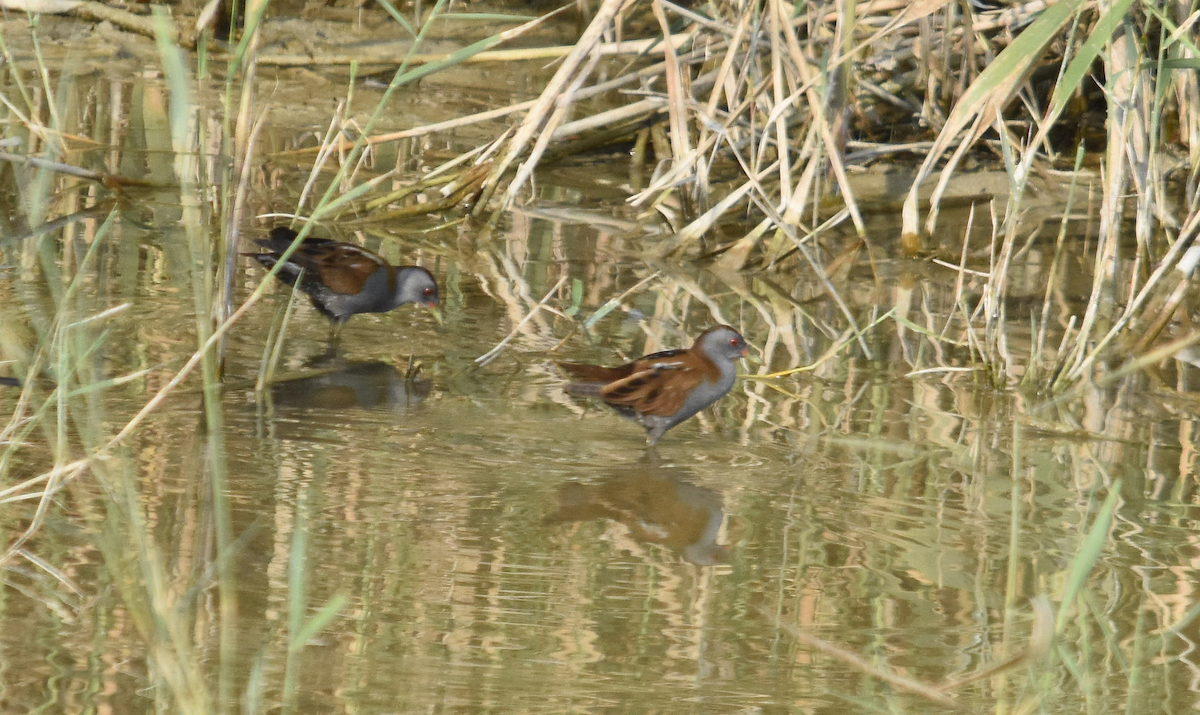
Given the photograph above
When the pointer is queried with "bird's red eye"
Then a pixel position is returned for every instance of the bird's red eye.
(734, 342)
(428, 291)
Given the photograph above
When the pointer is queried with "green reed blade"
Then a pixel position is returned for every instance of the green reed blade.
(391, 10)
(319, 620)
(1089, 552)
(1079, 66)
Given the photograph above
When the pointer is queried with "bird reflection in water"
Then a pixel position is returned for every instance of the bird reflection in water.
(657, 505)
(366, 384)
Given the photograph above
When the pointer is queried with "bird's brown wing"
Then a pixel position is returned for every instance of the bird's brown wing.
(342, 267)
(339, 267)
(657, 386)
(595, 373)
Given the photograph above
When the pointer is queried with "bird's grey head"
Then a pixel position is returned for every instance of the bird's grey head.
(722, 342)
(416, 285)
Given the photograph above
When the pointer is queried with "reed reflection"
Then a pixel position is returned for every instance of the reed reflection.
(657, 505)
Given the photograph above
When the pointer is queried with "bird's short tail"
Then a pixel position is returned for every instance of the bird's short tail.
(266, 260)
(287, 273)
(279, 239)
(584, 389)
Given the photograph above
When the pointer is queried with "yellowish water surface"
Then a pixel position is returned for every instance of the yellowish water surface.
(467, 538)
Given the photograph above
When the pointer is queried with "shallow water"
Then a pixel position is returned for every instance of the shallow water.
(502, 547)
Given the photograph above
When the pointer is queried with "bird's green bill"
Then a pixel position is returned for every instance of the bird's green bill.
(436, 311)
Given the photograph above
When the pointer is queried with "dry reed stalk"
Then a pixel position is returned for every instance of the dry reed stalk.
(329, 145)
(36, 128)
(678, 171)
(1087, 353)
(111, 181)
(1108, 251)
(608, 118)
(403, 192)
(607, 49)
(676, 87)
(782, 99)
(540, 112)
(456, 190)
(233, 230)
(719, 81)
(98, 12)
(848, 336)
(1037, 365)
(562, 106)
(479, 117)
(832, 132)
(702, 224)
(1166, 313)
(245, 134)
(735, 256)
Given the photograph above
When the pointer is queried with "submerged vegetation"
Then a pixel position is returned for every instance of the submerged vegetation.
(747, 132)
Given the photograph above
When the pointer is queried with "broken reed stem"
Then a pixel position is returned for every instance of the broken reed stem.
(233, 227)
(137, 24)
(843, 340)
(1041, 638)
(490, 355)
(562, 106)
(328, 147)
(608, 49)
(858, 662)
(108, 180)
(454, 192)
(1040, 642)
(480, 117)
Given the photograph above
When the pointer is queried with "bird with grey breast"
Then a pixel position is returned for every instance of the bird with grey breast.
(342, 279)
(662, 389)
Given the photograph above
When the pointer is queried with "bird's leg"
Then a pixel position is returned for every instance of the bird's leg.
(335, 331)
(413, 371)
(650, 456)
